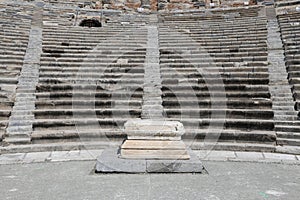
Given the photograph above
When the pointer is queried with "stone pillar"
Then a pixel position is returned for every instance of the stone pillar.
(152, 102)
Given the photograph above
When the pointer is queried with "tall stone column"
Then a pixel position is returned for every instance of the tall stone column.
(152, 102)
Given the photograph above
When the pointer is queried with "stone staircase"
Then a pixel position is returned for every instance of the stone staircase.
(288, 130)
(289, 27)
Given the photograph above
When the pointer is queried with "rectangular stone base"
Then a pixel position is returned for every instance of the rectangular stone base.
(154, 149)
(110, 162)
(153, 144)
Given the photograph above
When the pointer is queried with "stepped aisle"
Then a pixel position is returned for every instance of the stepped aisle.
(288, 131)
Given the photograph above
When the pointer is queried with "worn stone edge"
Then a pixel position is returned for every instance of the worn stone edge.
(203, 155)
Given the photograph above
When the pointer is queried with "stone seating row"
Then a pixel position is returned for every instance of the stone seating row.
(99, 67)
(230, 99)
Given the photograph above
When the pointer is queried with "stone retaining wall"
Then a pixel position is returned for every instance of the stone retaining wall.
(164, 4)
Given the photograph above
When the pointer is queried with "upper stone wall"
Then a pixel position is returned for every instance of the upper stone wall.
(153, 5)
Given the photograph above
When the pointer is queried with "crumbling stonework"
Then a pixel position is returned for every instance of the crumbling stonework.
(176, 4)
(154, 5)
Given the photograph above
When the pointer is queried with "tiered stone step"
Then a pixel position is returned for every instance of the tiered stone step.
(215, 70)
(90, 82)
(14, 35)
(59, 16)
(288, 133)
(252, 11)
(213, 14)
(215, 79)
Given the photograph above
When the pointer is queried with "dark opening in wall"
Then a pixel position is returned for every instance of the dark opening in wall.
(90, 23)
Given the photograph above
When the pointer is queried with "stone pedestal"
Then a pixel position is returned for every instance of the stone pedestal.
(152, 147)
(154, 139)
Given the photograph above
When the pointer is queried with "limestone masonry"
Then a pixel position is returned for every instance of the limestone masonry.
(208, 75)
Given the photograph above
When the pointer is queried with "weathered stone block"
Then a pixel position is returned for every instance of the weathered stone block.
(154, 149)
(152, 128)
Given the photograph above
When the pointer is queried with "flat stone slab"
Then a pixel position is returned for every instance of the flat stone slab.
(153, 145)
(110, 162)
(154, 149)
